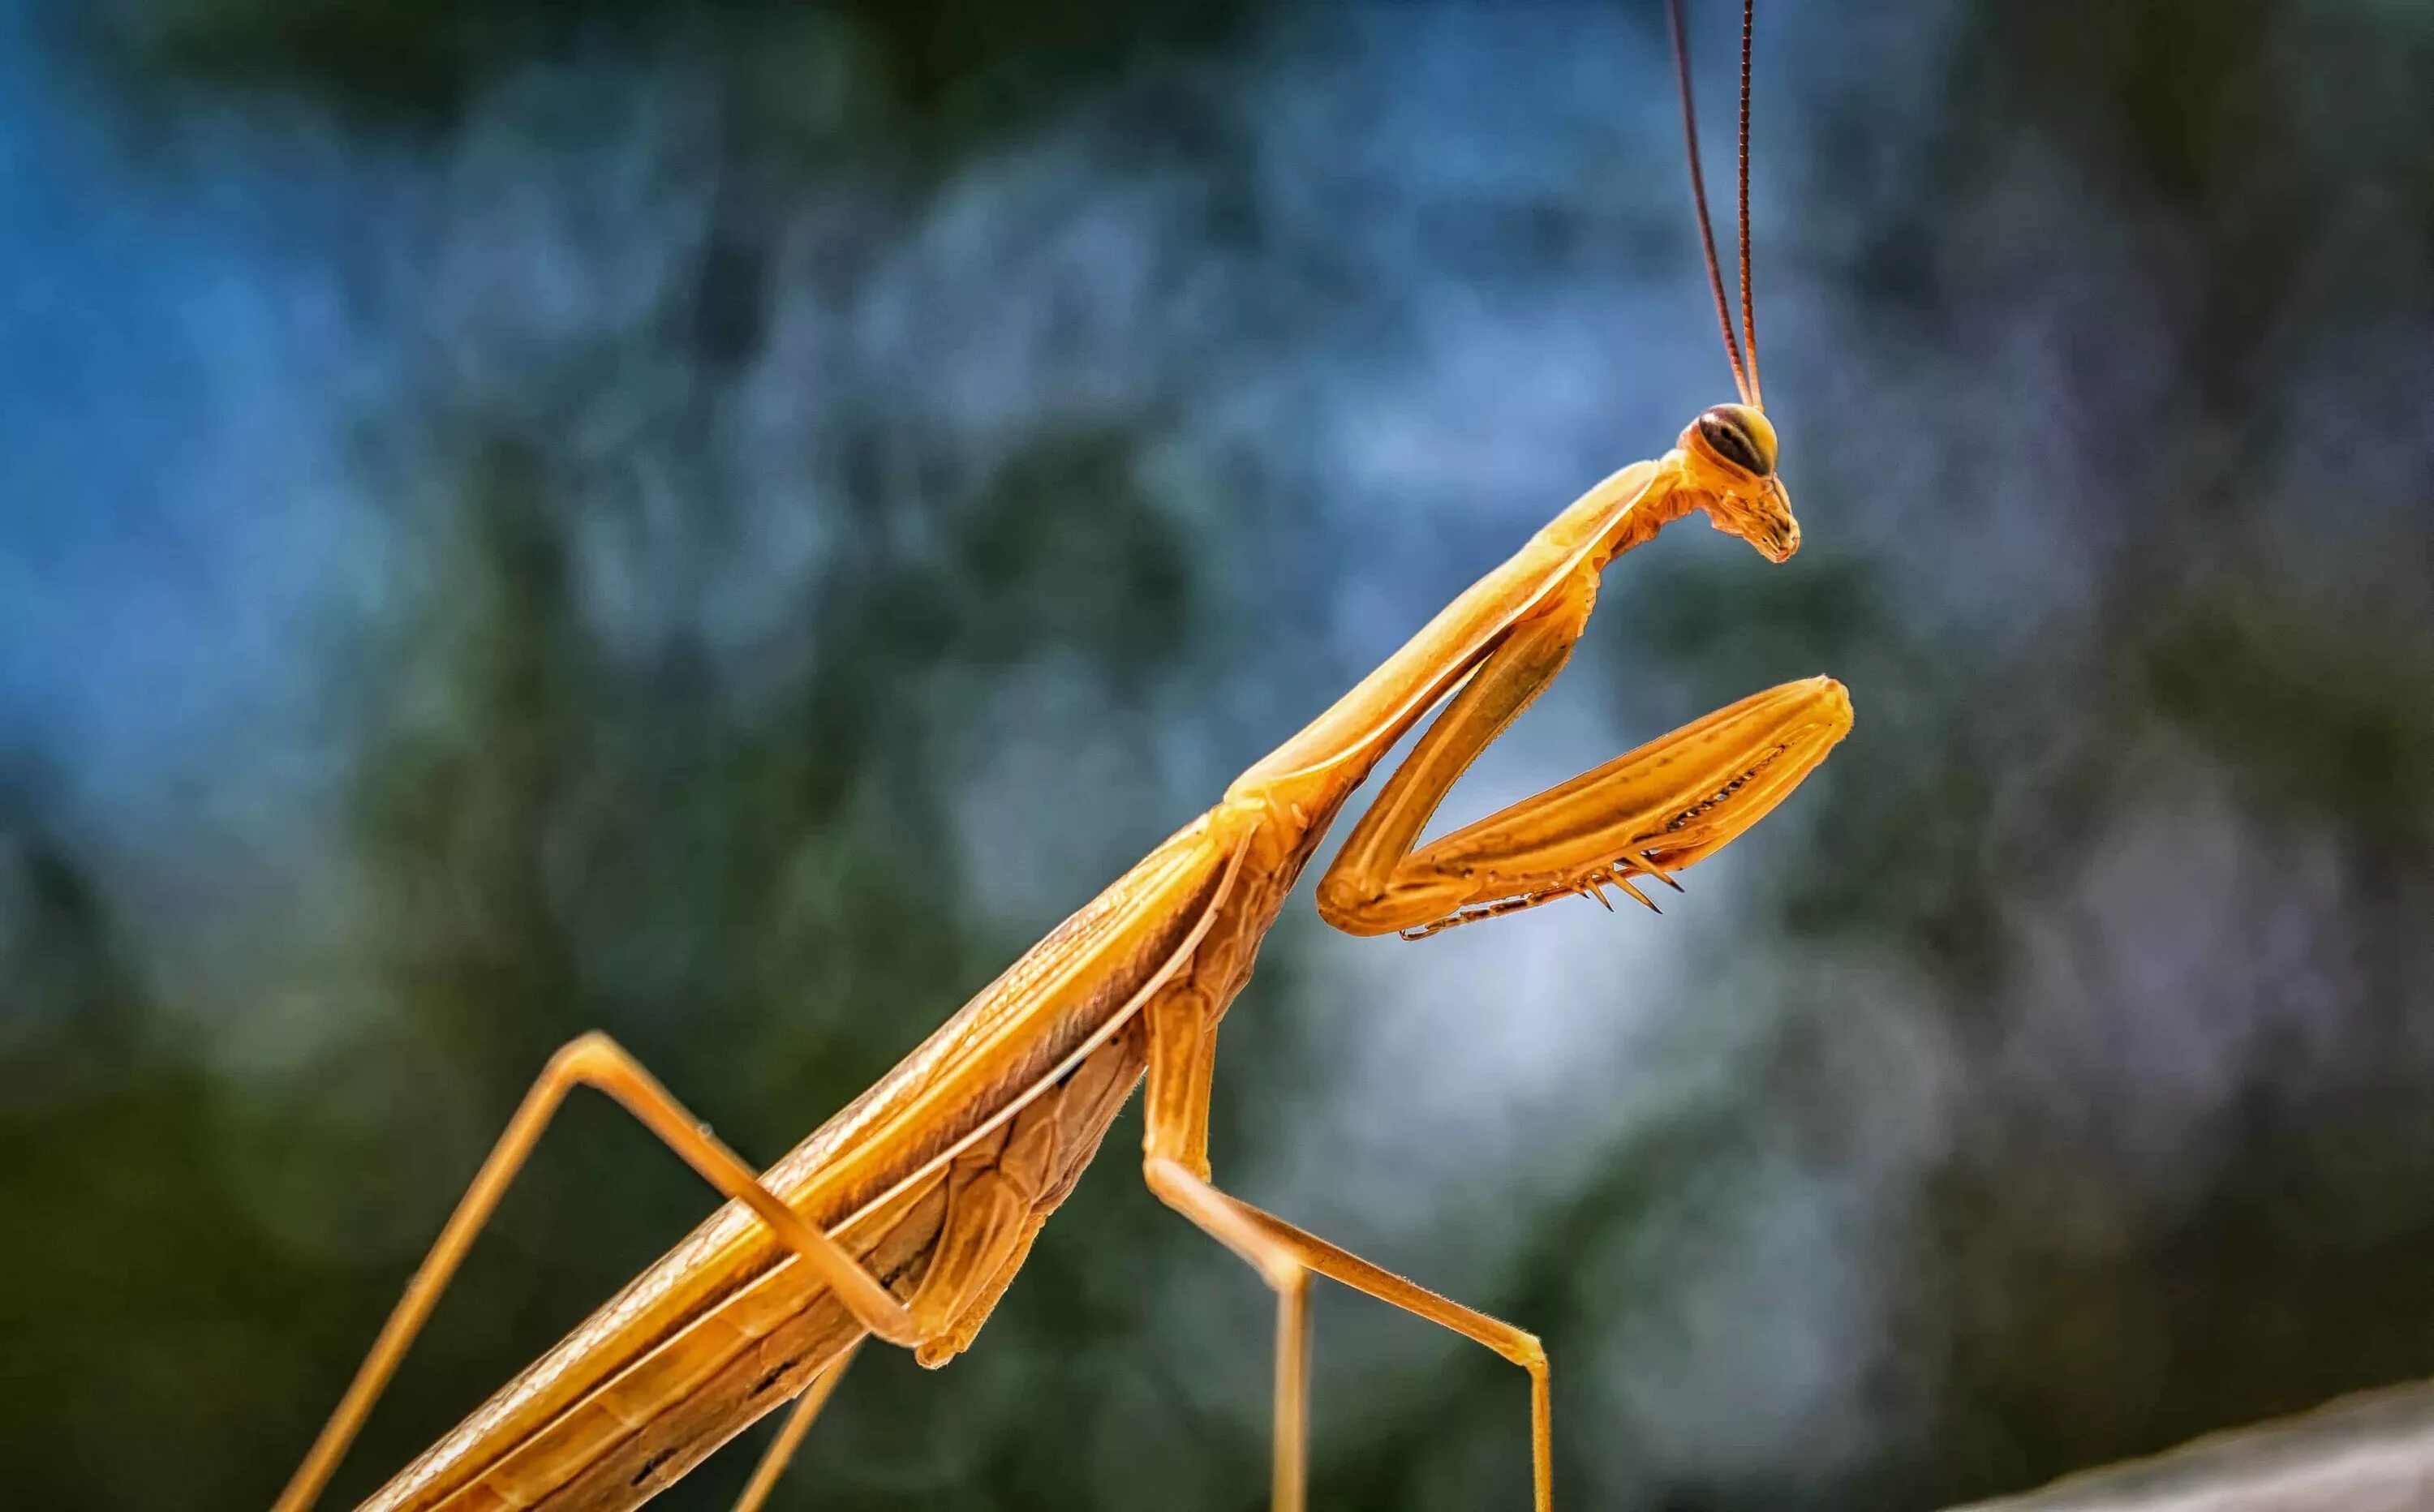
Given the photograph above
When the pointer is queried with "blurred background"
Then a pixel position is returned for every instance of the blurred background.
(723, 524)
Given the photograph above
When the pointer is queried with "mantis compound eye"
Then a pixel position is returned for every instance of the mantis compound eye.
(1742, 436)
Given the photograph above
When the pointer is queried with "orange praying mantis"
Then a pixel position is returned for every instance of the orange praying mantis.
(905, 1217)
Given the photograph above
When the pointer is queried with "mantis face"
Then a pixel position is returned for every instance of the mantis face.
(1729, 453)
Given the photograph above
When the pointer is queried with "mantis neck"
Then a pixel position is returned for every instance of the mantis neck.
(1667, 497)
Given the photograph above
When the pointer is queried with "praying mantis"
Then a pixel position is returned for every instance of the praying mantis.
(906, 1215)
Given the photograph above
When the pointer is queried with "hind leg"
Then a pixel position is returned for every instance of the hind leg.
(594, 1060)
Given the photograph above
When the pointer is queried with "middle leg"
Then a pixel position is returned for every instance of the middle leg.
(1180, 1050)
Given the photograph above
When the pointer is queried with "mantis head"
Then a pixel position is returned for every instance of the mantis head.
(1728, 468)
(1728, 451)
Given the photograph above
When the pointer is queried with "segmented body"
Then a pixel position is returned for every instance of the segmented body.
(615, 1394)
(979, 1134)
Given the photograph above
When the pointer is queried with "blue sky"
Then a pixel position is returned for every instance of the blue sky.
(172, 493)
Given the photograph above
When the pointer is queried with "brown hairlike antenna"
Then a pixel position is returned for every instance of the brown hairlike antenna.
(1749, 320)
(1745, 376)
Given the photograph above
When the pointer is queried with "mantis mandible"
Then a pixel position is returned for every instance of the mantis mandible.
(905, 1217)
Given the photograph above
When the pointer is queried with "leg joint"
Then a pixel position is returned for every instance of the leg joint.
(586, 1054)
(1527, 1353)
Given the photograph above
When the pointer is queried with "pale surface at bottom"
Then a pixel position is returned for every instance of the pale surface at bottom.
(2369, 1452)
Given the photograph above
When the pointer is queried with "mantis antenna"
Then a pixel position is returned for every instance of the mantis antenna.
(1744, 372)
